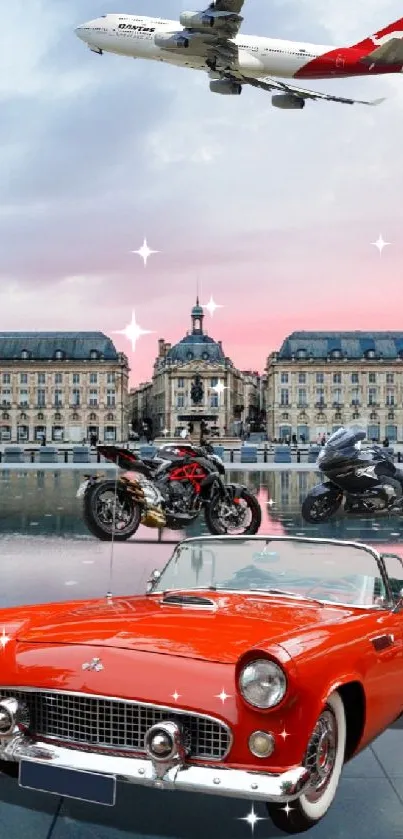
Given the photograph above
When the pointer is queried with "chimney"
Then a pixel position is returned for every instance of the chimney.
(161, 348)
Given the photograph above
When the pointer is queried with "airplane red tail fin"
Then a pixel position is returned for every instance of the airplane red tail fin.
(393, 30)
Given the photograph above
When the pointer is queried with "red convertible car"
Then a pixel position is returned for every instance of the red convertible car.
(253, 667)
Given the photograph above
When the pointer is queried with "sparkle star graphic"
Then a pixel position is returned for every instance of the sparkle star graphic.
(211, 306)
(284, 734)
(223, 696)
(270, 502)
(4, 639)
(287, 809)
(380, 244)
(133, 331)
(175, 696)
(252, 819)
(144, 252)
(219, 388)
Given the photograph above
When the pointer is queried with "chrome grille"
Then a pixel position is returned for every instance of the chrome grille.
(115, 724)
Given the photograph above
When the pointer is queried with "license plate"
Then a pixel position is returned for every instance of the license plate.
(68, 783)
(81, 489)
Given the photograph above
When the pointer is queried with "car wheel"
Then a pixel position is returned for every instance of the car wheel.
(325, 757)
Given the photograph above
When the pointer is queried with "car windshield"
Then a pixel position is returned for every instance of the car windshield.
(322, 570)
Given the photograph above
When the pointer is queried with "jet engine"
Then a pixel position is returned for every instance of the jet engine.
(226, 87)
(171, 41)
(206, 20)
(288, 101)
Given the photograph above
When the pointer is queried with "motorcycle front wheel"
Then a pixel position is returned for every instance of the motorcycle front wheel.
(241, 516)
(108, 517)
(318, 508)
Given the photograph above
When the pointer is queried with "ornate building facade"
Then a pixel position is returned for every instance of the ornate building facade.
(319, 381)
(194, 380)
(62, 387)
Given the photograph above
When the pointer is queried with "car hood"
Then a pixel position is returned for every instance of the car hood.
(222, 631)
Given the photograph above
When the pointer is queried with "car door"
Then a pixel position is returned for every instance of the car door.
(387, 642)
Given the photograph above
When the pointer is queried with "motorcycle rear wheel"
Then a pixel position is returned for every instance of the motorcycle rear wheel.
(318, 508)
(219, 526)
(99, 515)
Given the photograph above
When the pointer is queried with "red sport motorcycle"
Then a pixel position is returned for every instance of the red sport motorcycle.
(168, 490)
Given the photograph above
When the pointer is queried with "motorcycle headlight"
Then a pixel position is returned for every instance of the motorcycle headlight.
(263, 683)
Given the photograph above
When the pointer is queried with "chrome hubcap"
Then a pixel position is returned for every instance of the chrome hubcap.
(321, 754)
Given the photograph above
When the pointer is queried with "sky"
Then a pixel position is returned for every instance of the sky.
(271, 212)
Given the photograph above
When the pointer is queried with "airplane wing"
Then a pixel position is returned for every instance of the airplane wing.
(273, 85)
(390, 53)
(227, 18)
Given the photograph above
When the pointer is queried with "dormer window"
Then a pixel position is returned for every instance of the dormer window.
(25, 354)
(370, 354)
(335, 354)
(94, 355)
(301, 353)
(59, 355)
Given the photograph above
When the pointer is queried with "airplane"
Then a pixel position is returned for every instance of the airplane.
(209, 40)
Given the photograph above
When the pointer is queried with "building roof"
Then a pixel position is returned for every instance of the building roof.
(44, 345)
(350, 345)
(196, 345)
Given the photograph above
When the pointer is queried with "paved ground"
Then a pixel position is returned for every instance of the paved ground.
(38, 565)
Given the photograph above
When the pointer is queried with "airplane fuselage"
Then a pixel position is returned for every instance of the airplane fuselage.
(140, 37)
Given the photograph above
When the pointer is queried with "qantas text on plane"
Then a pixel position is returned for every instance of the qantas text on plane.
(210, 40)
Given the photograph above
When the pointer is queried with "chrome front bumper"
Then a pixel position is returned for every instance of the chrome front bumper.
(235, 783)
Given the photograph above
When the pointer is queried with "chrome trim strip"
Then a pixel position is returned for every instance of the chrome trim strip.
(166, 708)
(236, 783)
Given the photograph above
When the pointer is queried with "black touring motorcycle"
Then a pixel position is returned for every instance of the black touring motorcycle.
(367, 480)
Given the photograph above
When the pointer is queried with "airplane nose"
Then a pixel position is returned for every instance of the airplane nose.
(80, 32)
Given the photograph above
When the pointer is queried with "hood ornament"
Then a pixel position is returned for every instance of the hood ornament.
(94, 664)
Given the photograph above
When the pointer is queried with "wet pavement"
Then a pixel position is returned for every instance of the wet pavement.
(47, 555)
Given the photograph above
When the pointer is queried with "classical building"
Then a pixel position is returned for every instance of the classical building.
(194, 380)
(321, 380)
(62, 387)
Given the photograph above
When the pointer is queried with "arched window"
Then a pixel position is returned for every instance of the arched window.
(301, 353)
(94, 355)
(59, 355)
(25, 354)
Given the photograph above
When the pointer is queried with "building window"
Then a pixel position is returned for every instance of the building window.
(337, 396)
(59, 354)
(93, 398)
(337, 378)
(214, 400)
(39, 433)
(301, 378)
(41, 379)
(335, 354)
(320, 396)
(57, 433)
(372, 392)
(25, 354)
(110, 378)
(111, 398)
(110, 417)
(320, 378)
(58, 398)
(6, 396)
(23, 398)
(354, 379)
(390, 378)
(6, 379)
(390, 396)
(181, 383)
(23, 378)
(301, 353)
(76, 378)
(355, 396)
(302, 403)
(94, 355)
(284, 378)
(180, 400)
(93, 417)
(214, 382)
(284, 396)
(110, 434)
(93, 379)
(58, 378)
(372, 378)
(76, 397)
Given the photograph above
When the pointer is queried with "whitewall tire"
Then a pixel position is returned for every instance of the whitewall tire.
(325, 757)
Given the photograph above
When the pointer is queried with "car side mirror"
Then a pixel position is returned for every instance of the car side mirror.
(153, 579)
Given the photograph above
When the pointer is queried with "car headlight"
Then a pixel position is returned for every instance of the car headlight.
(263, 683)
